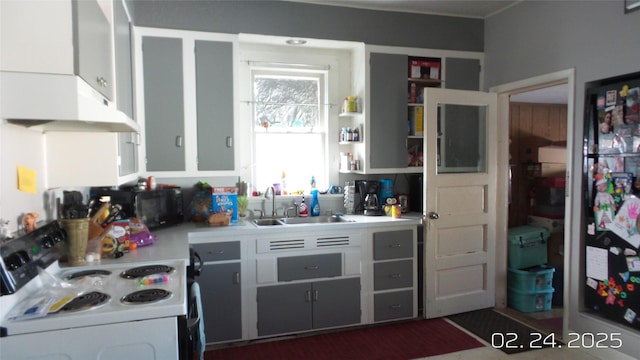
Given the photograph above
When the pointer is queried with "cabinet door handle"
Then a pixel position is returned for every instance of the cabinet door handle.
(236, 278)
(178, 141)
(313, 267)
(396, 245)
(229, 141)
(101, 81)
(315, 295)
(307, 296)
(395, 276)
(395, 306)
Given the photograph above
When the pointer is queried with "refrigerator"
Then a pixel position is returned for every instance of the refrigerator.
(612, 199)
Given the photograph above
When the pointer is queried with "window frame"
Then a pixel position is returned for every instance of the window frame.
(337, 64)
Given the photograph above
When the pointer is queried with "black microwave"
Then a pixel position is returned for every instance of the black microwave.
(156, 208)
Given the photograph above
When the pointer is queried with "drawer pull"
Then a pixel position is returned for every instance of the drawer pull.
(396, 245)
(314, 267)
(395, 276)
(218, 252)
(396, 306)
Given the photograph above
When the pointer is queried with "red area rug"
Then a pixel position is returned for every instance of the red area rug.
(399, 341)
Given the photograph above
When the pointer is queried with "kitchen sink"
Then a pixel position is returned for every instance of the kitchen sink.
(314, 220)
(266, 222)
(301, 220)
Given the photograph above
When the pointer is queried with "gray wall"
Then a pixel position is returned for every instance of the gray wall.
(283, 18)
(598, 40)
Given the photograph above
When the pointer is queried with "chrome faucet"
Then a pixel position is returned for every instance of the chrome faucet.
(294, 208)
(273, 199)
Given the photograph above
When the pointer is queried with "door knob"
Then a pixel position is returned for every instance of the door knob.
(433, 215)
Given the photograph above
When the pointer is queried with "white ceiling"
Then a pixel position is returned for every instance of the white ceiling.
(558, 94)
(465, 8)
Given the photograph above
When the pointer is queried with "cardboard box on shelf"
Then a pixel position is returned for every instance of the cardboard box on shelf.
(417, 121)
(552, 154)
(553, 169)
(553, 225)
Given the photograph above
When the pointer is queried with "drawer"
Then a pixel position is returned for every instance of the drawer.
(392, 244)
(393, 275)
(394, 305)
(228, 250)
(309, 267)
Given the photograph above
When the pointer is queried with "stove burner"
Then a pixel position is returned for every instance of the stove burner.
(145, 296)
(95, 272)
(87, 301)
(143, 271)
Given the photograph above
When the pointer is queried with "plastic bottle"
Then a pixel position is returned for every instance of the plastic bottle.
(315, 204)
(283, 182)
(302, 209)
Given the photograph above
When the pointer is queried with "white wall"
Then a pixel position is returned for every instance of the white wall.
(20, 146)
(598, 40)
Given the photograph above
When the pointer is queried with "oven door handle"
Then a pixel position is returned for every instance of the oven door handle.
(195, 309)
(195, 323)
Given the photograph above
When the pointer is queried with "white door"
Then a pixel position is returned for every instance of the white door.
(460, 175)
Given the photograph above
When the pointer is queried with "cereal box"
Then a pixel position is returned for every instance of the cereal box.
(225, 201)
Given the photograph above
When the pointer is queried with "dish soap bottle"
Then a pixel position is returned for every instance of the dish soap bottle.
(315, 205)
(302, 209)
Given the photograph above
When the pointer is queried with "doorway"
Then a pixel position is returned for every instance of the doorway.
(534, 113)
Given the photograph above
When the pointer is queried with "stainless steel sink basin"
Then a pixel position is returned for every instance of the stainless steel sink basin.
(301, 220)
(266, 222)
(314, 220)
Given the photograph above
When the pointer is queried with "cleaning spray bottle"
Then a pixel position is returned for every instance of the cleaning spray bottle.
(302, 209)
(315, 204)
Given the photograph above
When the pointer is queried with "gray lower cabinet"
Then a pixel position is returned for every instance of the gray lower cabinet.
(221, 290)
(393, 274)
(306, 306)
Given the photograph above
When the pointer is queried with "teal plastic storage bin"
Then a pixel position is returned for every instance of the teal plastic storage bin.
(527, 246)
(531, 279)
(530, 301)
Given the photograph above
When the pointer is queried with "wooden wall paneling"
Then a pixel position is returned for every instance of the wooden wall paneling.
(530, 126)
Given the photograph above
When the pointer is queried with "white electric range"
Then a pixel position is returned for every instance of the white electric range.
(111, 312)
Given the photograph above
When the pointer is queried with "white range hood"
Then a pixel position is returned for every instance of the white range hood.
(58, 102)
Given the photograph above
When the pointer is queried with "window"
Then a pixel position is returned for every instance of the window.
(289, 127)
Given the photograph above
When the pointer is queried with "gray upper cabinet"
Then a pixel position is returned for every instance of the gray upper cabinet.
(462, 74)
(163, 103)
(214, 102)
(123, 59)
(189, 101)
(390, 140)
(388, 125)
(94, 57)
(127, 142)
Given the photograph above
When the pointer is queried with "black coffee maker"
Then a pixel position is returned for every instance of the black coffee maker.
(369, 203)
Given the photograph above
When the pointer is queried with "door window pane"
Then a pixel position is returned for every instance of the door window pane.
(462, 139)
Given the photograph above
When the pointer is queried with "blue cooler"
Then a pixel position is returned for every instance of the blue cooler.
(527, 246)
